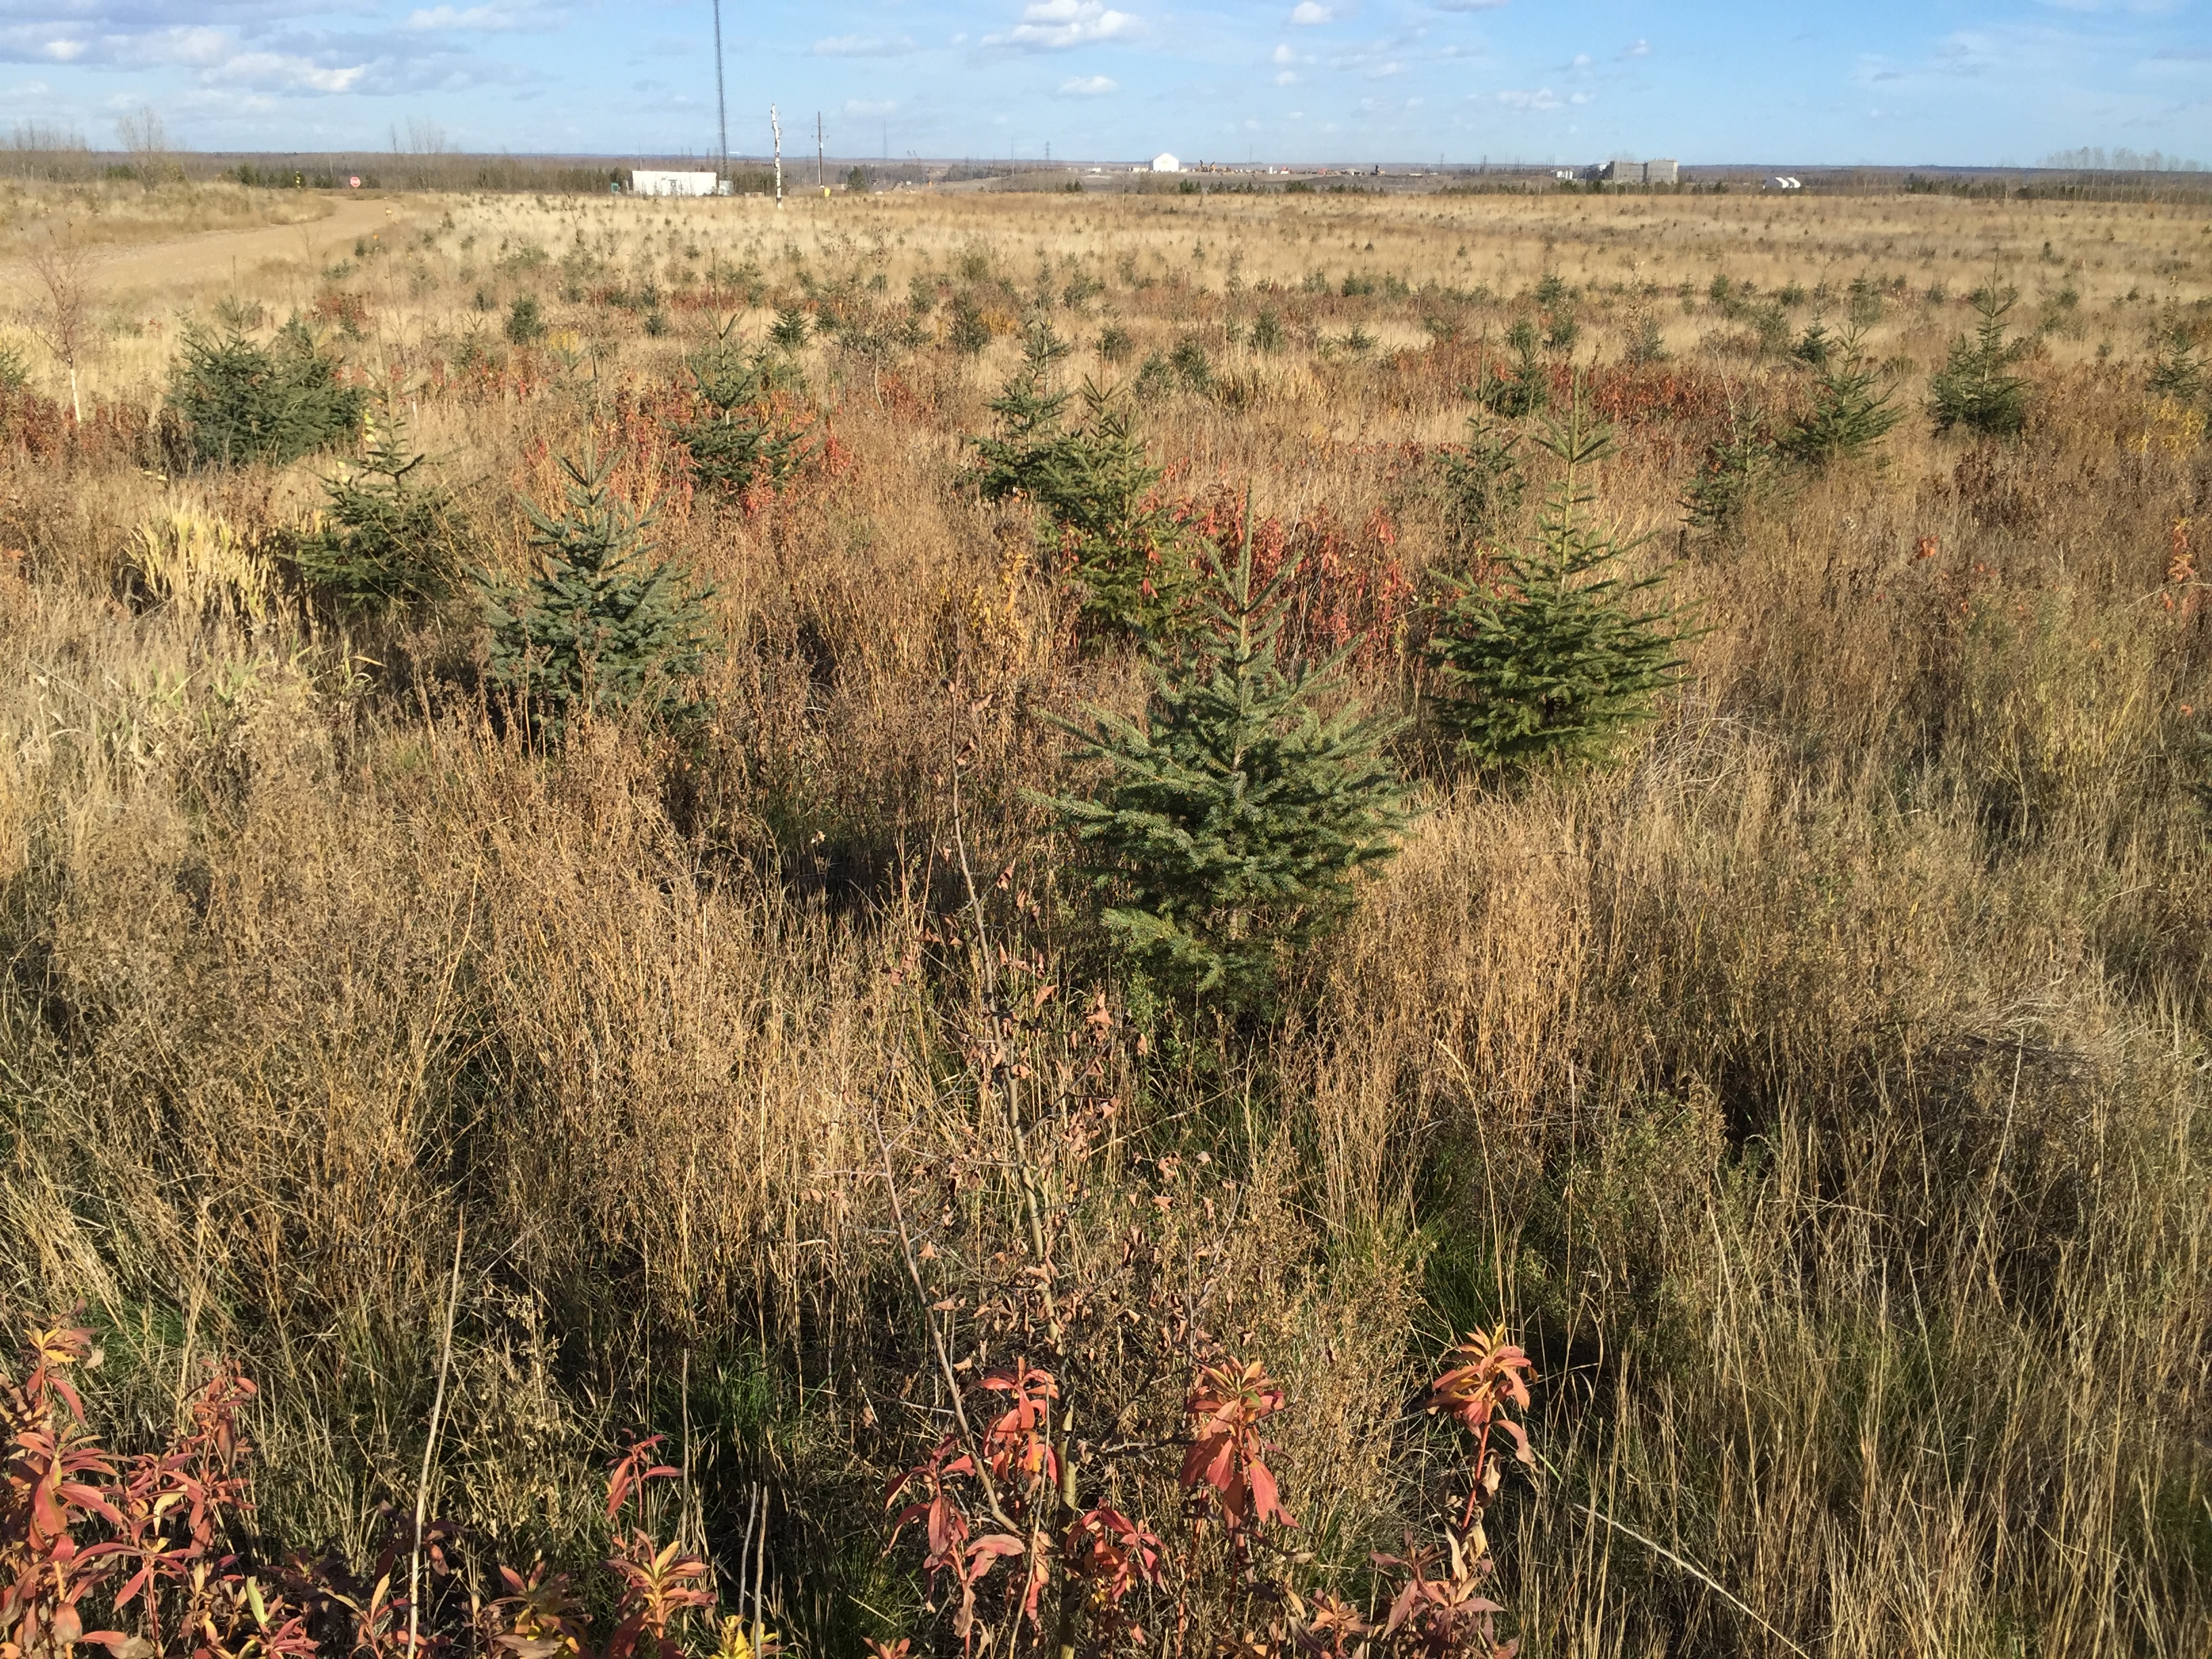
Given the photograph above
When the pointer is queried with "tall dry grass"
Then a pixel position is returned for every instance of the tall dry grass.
(1819, 1092)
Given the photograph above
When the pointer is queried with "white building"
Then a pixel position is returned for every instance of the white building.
(1164, 162)
(645, 182)
(1636, 172)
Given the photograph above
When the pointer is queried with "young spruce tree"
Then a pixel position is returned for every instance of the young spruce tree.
(1094, 484)
(1554, 657)
(1232, 825)
(1484, 484)
(388, 536)
(1974, 388)
(1851, 409)
(2177, 368)
(1029, 408)
(739, 440)
(241, 401)
(1735, 472)
(603, 625)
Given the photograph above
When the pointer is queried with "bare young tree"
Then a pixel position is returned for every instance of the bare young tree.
(424, 144)
(140, 133)
(63, 321)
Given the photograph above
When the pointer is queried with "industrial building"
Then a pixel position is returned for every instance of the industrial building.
(1667, 172)
(645, 182)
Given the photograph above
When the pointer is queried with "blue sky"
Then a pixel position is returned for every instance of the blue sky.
(1961, 81)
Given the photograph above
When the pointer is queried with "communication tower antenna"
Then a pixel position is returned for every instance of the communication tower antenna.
(722, 107)
(776, 127)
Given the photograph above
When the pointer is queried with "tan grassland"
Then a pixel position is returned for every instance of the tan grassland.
(1818, 1091)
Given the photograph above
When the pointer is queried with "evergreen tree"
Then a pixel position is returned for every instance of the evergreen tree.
(1815, 345)
(741, 439)
(241, 401)
(1851, 411)
(388, 537)
(1485, 484)
(1125, 551)
(1973, 388)
(2177, 368)
(1029, 411)
(1232, 826)
(602, 624)
(1526, 389)
(1736, 471)
(1094, 484)
(1552, 657)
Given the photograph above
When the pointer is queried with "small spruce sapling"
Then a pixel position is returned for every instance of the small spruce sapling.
(1551, 656)
(388, 536)
(1029, 408)
(1094, 486)
(602, 624)
(1974, 388)
(1484, 484)
(241, 401)
(2177, 368)
(1124, 549)
(1232, 825)
(1851, 409)
(739, 440)
(1736, 470)
(1525, 388)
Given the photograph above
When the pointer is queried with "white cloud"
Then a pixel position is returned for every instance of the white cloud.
(278, 71)
(1309, 13)
(1055, 25)
(862, 45)
(1640, 49)
(1287, 78)
(1089, 86)
(1542, 98)
(436, 18)
(1284, 55)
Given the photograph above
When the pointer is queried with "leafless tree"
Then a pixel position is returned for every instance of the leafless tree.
(141, 132)
(63, 321)
(424, 142)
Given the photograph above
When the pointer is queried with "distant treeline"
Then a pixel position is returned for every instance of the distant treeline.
(37, 149)
(2094, 158)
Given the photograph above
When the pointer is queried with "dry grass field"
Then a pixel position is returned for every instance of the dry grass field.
(1814, 1091)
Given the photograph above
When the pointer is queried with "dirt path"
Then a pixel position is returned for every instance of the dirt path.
(175, 264)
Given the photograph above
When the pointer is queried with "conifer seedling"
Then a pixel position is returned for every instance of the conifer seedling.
(1736, 470)
(1484, 482)
(1851, 409)
(1094, 484)
(389, 536)
(1975, 388)
(602, 624)
(1232, 824)
(1550, 656)
(740, 441)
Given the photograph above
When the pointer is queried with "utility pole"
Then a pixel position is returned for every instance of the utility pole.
(776, 127)
(821, 183)
(722, 107)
